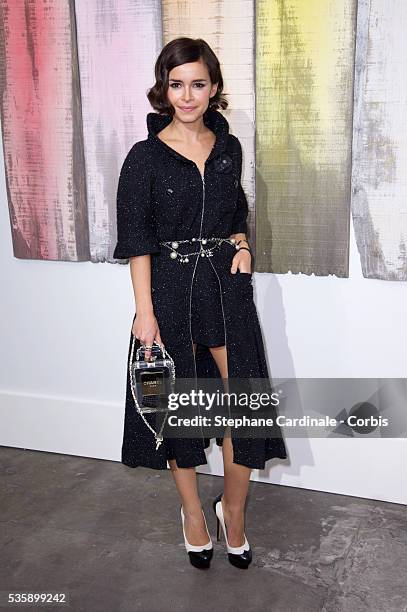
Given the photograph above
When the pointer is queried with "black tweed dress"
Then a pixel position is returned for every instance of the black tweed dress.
(162, 201)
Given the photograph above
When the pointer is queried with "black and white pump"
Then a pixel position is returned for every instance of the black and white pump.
(200, 556)
(239, 556)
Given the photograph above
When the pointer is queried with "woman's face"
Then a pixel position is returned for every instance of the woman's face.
(189, 90)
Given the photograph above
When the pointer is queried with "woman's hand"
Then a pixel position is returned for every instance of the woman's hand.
(242, 261)
(145, 328)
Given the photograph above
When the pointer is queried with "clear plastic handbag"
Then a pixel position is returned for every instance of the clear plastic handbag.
(151, 382)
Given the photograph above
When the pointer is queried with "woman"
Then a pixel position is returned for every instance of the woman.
(182, 222)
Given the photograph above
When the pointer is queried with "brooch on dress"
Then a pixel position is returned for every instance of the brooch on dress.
(223, 163)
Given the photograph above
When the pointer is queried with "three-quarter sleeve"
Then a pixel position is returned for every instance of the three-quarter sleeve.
(239, 223)
(136, 226)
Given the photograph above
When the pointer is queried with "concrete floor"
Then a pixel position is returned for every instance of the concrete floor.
(111, 537)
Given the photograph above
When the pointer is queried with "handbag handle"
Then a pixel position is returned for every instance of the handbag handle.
(154, 350)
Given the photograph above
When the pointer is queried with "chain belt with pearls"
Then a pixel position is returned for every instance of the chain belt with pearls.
(204, 251)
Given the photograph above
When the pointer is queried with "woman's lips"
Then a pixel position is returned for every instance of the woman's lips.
(187, 109)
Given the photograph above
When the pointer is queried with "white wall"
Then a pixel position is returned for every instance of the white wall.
(64, 339)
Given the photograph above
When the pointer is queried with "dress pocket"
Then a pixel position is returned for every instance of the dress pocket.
(242, 276)
(241, 288)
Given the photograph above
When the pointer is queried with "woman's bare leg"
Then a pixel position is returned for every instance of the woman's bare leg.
(186, 482)
(236, 476)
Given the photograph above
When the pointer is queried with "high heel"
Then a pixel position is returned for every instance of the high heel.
(200, 556)
(239, 556)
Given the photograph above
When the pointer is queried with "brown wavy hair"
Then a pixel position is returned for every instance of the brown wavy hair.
(179, 51)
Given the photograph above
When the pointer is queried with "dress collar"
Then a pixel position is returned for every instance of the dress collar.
(213, 119)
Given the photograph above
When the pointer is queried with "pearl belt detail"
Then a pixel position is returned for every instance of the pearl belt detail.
(204, 252)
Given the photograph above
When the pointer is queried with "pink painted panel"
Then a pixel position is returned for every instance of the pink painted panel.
(42, 131)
